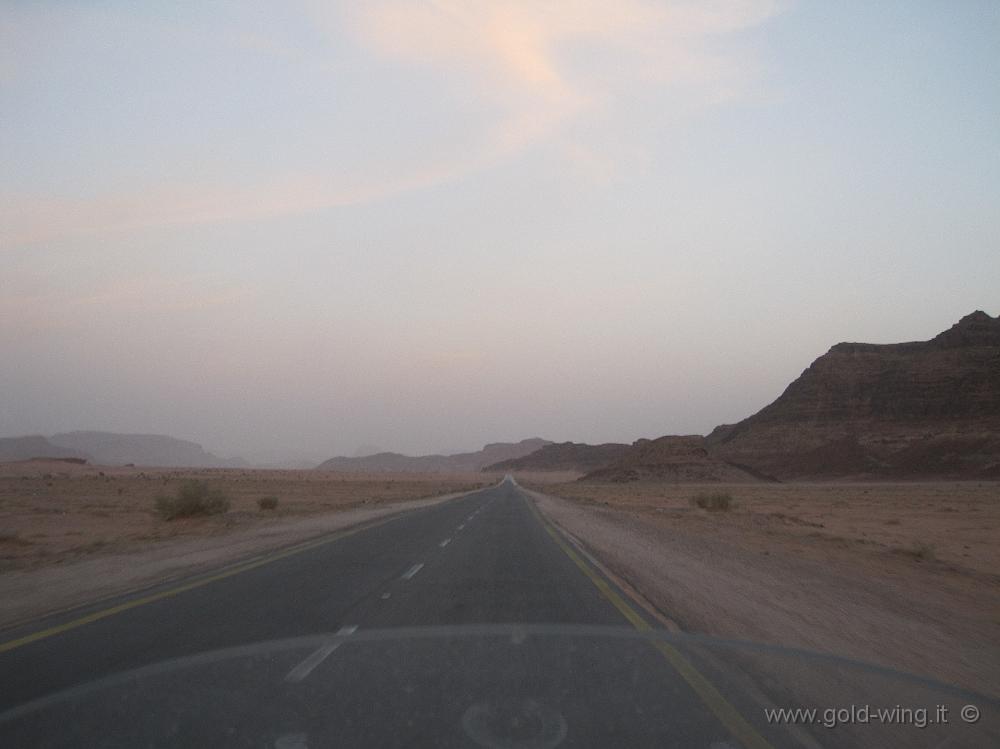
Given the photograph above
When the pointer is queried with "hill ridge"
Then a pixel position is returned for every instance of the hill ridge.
(391, 462)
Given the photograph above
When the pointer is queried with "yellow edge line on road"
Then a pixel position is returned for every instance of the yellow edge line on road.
(713, 699)
(111, 611)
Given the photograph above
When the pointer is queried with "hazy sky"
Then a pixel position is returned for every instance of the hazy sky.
(296, 228)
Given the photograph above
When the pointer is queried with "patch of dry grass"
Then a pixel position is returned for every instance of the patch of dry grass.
(713, 501)
(920, 551)
(268, 503)
(13, 538)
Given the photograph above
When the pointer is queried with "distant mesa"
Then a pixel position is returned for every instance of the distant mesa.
(114, 449)
(364, 451)
(564, 456)
(35, 447)
(71, 461)
(388, 462)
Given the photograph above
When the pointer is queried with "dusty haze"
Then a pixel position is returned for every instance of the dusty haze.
(288, 233)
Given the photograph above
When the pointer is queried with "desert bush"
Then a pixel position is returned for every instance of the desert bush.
(193, 498)
(267, 503)
(924, 552)
(713, 501)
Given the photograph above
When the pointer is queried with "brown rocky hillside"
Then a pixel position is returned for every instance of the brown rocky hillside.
(564, 456)
(921, 409)
(459, 463)
(671, 459)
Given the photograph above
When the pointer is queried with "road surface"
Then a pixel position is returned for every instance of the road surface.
(469, 623)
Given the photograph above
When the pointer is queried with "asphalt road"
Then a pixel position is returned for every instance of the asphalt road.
(463, 624)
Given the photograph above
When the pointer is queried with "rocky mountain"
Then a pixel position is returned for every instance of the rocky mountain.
(26, 448)
(459, 463)
(564, 456)
(920, 409)
(924, 409)
(671, 459)
(112, 448)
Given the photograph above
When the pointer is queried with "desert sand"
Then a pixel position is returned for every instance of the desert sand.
(901, 575)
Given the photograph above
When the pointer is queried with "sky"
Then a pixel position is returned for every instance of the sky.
(284, 230)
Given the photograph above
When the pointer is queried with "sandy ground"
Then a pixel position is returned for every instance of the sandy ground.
(901, 575)
(70, 534)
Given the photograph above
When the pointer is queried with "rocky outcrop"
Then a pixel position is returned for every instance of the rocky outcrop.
(565, 456)
(113, 448)
(671, 459)
(26, 448)
(460, 463)
(921, 409)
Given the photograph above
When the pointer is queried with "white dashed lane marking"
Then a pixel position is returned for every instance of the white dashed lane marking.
(305, 668)
(408, 575)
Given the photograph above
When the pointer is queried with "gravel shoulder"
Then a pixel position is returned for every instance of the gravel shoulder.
(714, 577)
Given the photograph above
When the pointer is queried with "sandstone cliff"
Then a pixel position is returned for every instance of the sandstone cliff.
(921, 409)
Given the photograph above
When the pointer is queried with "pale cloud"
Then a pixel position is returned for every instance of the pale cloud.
(34, 219)
(29, 220)
(522, 50)
(514, 43)
(520, 55)
(523, 58)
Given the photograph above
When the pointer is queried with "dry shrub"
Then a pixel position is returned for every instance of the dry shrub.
(193, 498)
(713, 501)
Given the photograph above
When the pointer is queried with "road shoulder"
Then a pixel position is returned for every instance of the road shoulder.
(715, 587)
(27, 595)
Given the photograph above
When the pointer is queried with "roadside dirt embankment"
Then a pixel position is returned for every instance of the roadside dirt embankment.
(789, 578)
